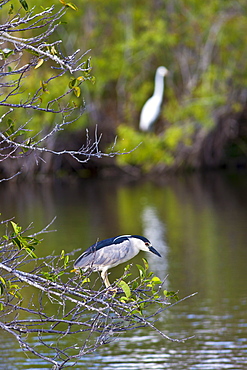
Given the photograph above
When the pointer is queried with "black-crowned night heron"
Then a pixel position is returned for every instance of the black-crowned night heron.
(111, 252)
(151, 108)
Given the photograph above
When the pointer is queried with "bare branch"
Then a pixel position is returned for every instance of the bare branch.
(20, 140)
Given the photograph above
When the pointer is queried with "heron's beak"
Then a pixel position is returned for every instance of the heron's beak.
(154, 251)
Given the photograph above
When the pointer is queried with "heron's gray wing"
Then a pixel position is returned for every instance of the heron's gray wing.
(85, 260)
(114, 254)
(109, 256)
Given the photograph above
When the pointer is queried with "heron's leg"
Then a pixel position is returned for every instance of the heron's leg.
(105, 278)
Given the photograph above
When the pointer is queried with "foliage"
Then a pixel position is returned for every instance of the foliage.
(151, 34)
(148, 151)
(22, 242)
(139, 292)
(63, 304)
(40, 87)
(202, 46)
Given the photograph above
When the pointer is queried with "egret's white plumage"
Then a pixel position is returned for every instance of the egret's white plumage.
(111, 252)
(151, 108)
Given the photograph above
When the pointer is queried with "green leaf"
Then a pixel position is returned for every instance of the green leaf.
(12, 131)
(16, 228)
(142, 271)
(51, 276)
(146, 265)
(134, 285)
(6, 52)
(171, 294)
(72, 6)
(30, 241)
(126, 268)
(69, 5)
(77, 91)
(86, 280)
(88, 65)
(2, 285)
(123, 299)
(66, 261)
(23, 242)
(92, 79)
(7, 284)
(73, 82)
(123, 285)
(80, 78)
(136, 312)
(39, 64)
(11, 9)
(30, 252)
(14, 290)
(24, 4)
(47, 275)
(44, 87)
(156, 280)
(33, 52)
(53, 50)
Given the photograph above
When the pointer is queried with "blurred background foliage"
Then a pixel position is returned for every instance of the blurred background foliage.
(204, 47)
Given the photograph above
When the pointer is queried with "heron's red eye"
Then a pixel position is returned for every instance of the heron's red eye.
(147, 244)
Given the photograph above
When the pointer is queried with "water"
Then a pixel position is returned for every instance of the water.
(198, 224)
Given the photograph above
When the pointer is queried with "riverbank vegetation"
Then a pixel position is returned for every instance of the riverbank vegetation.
(203, 117)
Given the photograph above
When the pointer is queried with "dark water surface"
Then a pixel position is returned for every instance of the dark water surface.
(199, 225)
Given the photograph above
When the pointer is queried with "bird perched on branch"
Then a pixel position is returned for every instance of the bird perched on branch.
(111, 252)
(151, 108)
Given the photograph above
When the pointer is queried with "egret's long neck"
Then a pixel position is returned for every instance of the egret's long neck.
(159, 86)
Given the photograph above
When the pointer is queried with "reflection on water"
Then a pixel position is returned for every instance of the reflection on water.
(154, 230)
(198, 224)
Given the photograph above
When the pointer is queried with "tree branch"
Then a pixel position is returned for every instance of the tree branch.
(92, 317)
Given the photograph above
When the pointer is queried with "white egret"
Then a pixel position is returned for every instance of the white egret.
(151, 108)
